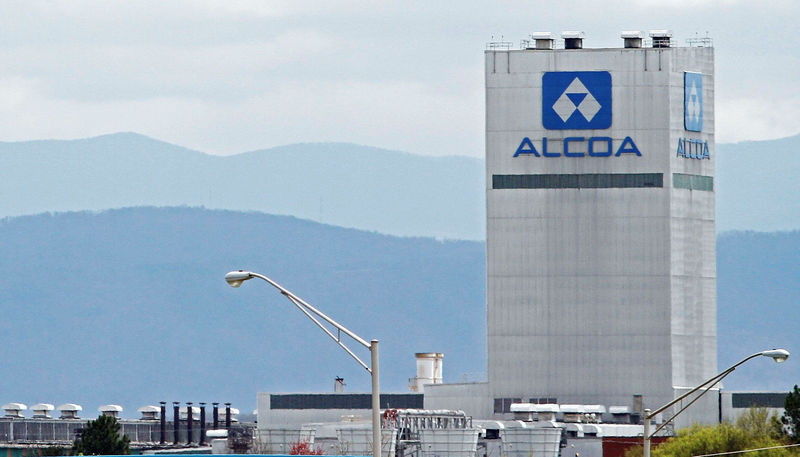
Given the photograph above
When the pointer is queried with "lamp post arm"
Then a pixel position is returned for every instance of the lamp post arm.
(714, 380)
(329, 333)
(705, 388)
(301, 303)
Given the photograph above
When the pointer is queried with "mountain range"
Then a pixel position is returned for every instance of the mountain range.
(342, 184)
(129, 306)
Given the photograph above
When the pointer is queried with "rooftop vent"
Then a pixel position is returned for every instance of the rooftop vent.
(573, 413)
(632, 38)
(110, 410)
(661, 38)
(150, 412)
(523, 411)
(70, 410)
(14, 410)
(542, 40)
(573, 39)
(546, 411)
(620, 414)
(42, 410)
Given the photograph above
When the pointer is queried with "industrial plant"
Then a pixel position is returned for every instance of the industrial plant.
(601, 279)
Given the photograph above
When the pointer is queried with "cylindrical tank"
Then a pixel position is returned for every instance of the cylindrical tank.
(429, 369)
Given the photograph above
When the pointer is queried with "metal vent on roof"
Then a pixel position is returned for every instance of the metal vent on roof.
(632, 38)
(573, 39)
(42, 410)
(70, 410)
(110, 410)
(14, 410)
(661, 38)
(150, 412)
(541, 40)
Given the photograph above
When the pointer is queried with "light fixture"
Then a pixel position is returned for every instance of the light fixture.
(779, 355)
(236, 278)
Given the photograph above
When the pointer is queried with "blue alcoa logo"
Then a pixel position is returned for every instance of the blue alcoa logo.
(576, 100)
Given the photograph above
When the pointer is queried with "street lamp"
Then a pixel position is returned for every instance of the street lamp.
(779, 355)
(236, 278)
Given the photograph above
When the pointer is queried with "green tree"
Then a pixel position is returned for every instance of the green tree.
(704, 439)
(791, 414)
(759, 422)
(102, 437)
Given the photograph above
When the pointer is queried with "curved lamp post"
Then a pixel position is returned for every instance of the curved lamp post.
(779, 355)
(236, 278)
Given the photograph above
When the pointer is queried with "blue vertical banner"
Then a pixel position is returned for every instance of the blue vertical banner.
(693, 101)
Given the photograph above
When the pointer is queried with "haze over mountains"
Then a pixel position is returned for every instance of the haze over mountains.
(341, 184)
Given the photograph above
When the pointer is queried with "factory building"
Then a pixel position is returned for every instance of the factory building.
(601, 274)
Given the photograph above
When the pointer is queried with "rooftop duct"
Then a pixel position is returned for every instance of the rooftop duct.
(632, 38)
(543, 40)
(110, 410)
(14, 410)
(661, 38)
(42, 410)
(70, 411)
(573, 39)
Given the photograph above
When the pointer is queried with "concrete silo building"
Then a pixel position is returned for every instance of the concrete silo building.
(601, 266)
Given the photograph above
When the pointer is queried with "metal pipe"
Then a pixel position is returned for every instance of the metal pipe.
(646, 447)
(202, 423)
(176, 419)
(215, 415)
(189, 422)
(376, 400)
(163, 422)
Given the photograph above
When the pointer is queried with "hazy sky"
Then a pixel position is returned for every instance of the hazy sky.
(236, 75)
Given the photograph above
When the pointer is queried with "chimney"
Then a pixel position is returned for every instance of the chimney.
(14, 410)
(176, 421)
(189, 422)
(42, 410)
(338, 385)
(163, 408)
(70, 411)
(215, 415)
(661, 38)
(632, 38)
(110, 410)
(202, 423)
(573, 39)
